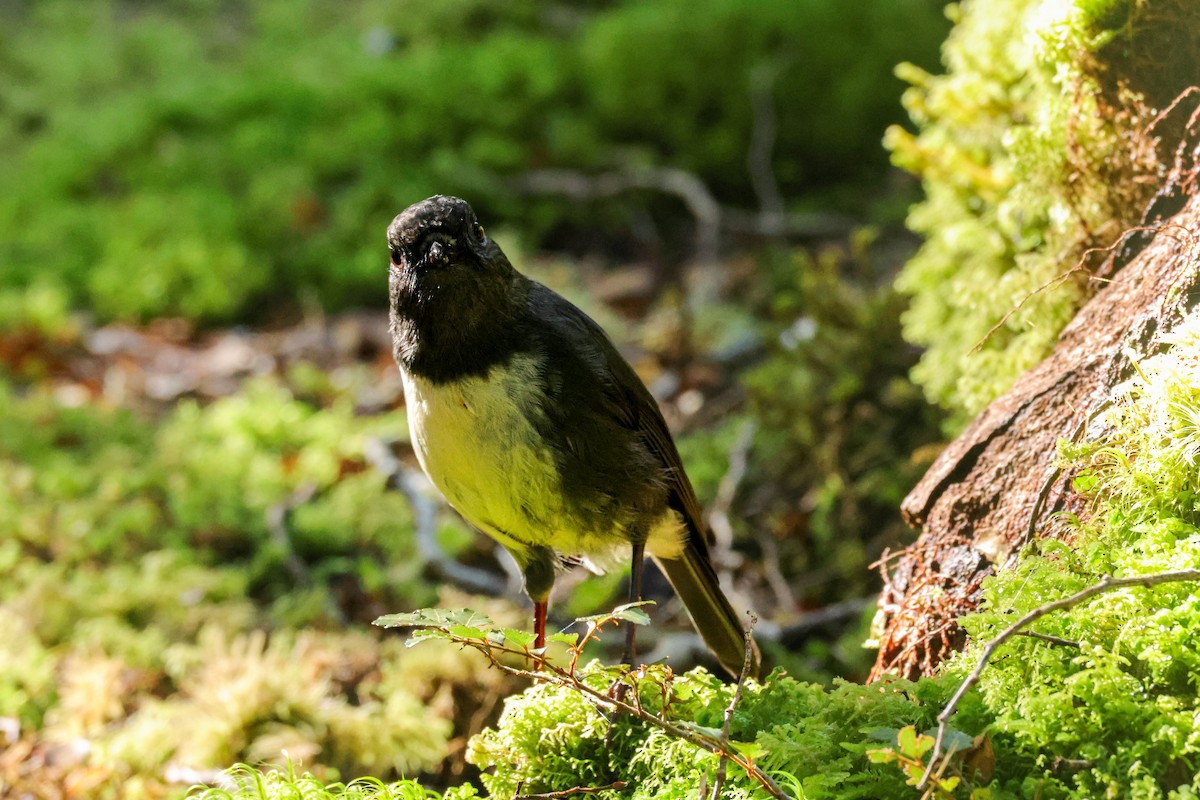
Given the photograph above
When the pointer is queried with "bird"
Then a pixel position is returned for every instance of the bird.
(536, 430)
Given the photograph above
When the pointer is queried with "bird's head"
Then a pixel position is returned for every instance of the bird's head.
(441, 234)
(451, 286)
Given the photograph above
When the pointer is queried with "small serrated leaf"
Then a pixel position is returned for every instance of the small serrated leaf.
(466, 632)
(435, 618)
(569, 639)
(423, 635)
(884, 756)
(907, 739)
(628, 612)
(521, 638)
(750, 750)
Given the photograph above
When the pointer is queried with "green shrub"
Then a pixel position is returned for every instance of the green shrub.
(184, 160)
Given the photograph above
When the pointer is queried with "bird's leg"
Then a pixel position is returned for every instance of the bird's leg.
(635, 595)
(539, 623)
(620, 688)
(538, 569)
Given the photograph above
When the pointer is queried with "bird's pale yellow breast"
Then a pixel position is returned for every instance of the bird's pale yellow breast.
(476, 440)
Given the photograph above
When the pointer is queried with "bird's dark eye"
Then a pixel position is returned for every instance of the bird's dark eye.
(477, 231)
(397, 256)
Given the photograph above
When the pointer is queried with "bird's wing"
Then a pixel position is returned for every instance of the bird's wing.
(623, 398)
(612, 389)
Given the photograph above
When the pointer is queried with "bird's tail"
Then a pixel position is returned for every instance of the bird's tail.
(723, 629)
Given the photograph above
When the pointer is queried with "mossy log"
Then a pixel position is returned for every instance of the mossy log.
(998, 485)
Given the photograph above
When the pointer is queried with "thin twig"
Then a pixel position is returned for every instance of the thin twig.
(1106, 584)
(764, 128)
(615, 785)
(1080, 266)
(546, 672)
(747, 660)
(278, 518)
(1045, 637)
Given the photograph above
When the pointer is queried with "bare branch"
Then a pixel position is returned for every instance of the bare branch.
(278, 516)
(747, 660)
(709, 216)
(718, 514)
(794, 633)
(762, 147)
(676, 182)
(571, 792)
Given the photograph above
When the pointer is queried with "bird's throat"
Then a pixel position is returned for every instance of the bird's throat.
(448, 336)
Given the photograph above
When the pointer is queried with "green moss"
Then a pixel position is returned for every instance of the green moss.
(552, 739)
(1031, 148)
(1125, 701)
(139, 572)
(244, 782)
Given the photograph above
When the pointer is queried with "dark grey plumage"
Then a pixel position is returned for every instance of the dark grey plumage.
(535, 428)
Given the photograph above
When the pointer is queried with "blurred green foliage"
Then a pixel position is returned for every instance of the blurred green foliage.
(839, 420)
(139, 576)
(219, 161)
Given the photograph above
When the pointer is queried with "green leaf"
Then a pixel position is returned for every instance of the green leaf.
(629, 612)
(883, 734)
(750, 750)
(907, 739)
(521, 638)
(953, 741)
(466, 632)
(424, 635)
(441, 618)
(883, 756)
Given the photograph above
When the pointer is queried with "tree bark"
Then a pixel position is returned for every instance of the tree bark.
(996, 487)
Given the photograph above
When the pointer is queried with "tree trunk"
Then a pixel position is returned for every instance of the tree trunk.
(996, 487)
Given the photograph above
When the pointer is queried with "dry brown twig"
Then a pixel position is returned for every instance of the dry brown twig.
(1106, 584)
(545, 671)
(1080, 266)
(578, 790)
(723, 762)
